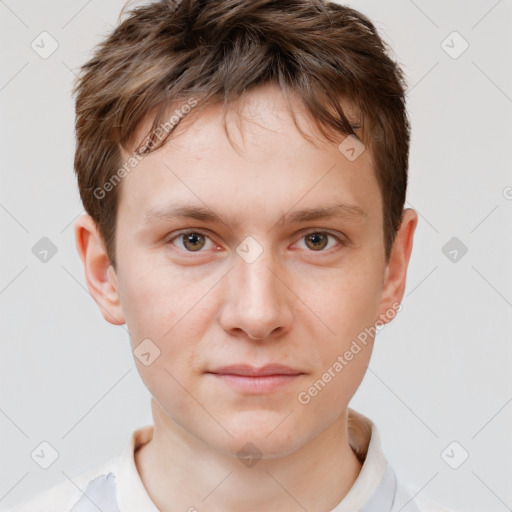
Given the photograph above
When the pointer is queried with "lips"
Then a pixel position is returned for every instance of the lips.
(248, 380)
(245, 370)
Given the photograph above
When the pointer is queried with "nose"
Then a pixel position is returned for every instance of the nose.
(257, 303)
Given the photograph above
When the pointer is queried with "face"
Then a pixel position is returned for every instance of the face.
(222, 261)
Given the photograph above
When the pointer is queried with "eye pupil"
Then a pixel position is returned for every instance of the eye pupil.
(193, 238)
(315, 238)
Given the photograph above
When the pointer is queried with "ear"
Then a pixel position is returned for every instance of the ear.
(396, 270)
(99, 273)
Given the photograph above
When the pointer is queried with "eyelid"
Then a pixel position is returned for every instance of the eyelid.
(308, 231)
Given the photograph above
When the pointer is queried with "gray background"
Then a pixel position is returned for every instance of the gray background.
(440, 371)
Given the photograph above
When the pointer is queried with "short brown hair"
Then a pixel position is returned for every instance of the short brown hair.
(216, 50)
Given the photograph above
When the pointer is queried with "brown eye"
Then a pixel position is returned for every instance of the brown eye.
(193, 241)
(316, 241)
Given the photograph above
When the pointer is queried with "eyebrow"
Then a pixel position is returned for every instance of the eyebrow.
(340, 211)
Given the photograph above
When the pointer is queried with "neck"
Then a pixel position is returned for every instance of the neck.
(181, 472)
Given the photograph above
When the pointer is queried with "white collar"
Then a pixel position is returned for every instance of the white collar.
(376, 482)
(374, 488)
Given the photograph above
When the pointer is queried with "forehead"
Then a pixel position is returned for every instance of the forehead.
(270, 166)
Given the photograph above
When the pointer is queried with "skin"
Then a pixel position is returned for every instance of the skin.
(299, 304)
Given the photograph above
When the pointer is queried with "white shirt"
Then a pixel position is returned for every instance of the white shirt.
(116, 486)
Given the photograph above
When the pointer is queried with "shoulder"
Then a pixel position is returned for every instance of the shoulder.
(409, 500)
(65, 496)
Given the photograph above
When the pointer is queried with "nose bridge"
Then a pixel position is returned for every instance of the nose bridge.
(260, 285)
(259, 302)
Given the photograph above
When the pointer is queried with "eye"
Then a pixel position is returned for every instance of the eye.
(192, 241)
(318, 240)
(196, 241)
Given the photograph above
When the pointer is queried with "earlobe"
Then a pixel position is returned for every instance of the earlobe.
(99, 274)
(395, 274)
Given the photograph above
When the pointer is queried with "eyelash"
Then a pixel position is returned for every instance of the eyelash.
(341, 241)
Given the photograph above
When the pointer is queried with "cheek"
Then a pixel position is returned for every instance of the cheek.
(348, 304)
(156, 300)
(328, 391)
(173, 311)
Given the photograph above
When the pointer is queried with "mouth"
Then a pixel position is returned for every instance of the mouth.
(251, 380)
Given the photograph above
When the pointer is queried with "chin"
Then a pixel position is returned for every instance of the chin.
(264, 433)
(243, 447)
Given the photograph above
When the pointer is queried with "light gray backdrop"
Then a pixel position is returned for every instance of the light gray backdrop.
(439, 384)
